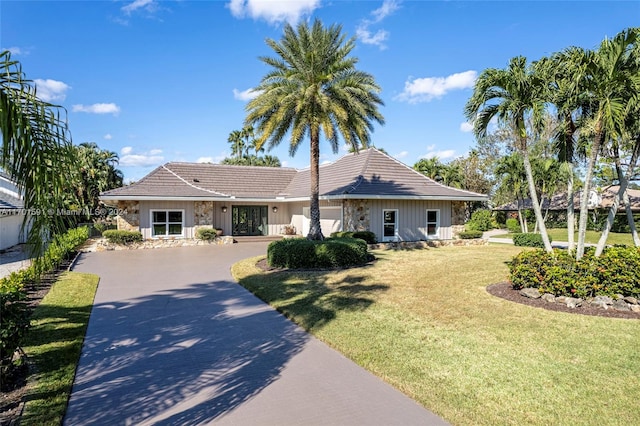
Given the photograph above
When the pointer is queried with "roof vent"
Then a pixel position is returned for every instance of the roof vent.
(196, 180)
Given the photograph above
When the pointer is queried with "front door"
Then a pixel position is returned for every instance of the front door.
(249, 220)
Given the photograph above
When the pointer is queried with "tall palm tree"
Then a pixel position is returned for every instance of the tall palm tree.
(565, 74)
(512, 95)
(611, 81)
(313, 87)
(36, 151)
(236, 139)
(511, 175)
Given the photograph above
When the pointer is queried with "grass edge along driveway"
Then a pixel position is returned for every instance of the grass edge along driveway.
(423, 321)
(53, 346)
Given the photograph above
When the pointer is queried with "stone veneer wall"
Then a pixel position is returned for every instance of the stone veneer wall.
(356, 215)
(458, 217)
(203, 213)
(129, 217)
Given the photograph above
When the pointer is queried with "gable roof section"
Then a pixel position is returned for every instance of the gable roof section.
(367, 174)
(10, 198)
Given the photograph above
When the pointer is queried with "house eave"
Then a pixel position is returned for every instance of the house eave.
(403, 197)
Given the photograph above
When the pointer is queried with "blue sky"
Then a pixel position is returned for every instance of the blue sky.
(159, 81)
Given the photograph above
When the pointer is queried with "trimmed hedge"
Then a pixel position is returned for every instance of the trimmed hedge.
(528, 240)
(469, 235)
(616, 271)
(300, 253)
(368, 236)
(122, 237)
(14, 317)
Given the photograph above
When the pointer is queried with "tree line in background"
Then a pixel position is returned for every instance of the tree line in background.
(243, 142)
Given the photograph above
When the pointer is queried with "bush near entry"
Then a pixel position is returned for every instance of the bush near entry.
(616, 271)
(481, 220)
(368, 236)
(300, 253)
(122, 237)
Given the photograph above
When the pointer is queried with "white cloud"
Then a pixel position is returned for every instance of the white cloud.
(51, 90)
(273, 11)
(428, 88)
(442, 155)
(101, 108)
(108, 136)
(148, 5)
(151, 158)
(15, 50)
(204, 160)
(245, 95)
(466, 127)
(401, 154)
(379, 37)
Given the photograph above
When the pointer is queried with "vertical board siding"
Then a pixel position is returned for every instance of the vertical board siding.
(412, 218)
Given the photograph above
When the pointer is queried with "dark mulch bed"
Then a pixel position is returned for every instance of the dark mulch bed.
(505, 291)
(14, 389)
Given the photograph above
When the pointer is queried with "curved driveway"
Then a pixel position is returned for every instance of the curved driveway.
(173, 340)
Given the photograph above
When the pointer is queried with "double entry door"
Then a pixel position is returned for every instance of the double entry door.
(249, 220)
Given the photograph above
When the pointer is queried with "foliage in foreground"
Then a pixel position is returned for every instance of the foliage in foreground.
(53, 345)
(14, 318)
(616, 271)
(122, 237)
(301, 253)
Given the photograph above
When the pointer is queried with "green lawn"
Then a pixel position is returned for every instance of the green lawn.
(53, 346)
(423, 321)
(558, 234)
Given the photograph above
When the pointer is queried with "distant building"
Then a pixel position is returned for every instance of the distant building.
(11, 213)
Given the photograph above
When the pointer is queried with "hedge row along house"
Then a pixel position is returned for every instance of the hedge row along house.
(368, 190)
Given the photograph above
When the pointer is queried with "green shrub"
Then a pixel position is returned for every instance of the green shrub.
(300, 253)
(368, 236)
(207, 234)
(468, 235)
(616, 271)
(513, 225)
(481, 220)
(122, 237)
(528, 240)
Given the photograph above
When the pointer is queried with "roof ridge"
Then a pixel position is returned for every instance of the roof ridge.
(192, 185)
(365, 166)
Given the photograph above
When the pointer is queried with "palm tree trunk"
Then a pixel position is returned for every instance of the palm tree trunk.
(622, 191)
(315, 231)
(584, 198)
(534, 201)
(571, 214)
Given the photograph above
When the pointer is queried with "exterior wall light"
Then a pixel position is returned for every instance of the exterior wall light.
(224, 209)
(274, 209)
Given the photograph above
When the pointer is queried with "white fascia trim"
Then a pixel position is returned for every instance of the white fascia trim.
(177, 198)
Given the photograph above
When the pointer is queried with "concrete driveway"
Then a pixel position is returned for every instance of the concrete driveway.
(173, 340)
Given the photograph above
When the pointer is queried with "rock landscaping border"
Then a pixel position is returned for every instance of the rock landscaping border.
(615, 308)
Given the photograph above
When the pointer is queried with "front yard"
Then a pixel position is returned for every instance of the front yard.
(423, 321)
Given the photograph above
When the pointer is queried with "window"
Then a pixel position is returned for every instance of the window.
(167, 223)
(389, 225)
(433, 223)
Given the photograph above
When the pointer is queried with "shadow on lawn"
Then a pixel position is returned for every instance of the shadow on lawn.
(311, 299)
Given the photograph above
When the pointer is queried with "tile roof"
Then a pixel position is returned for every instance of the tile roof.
(367, 174)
